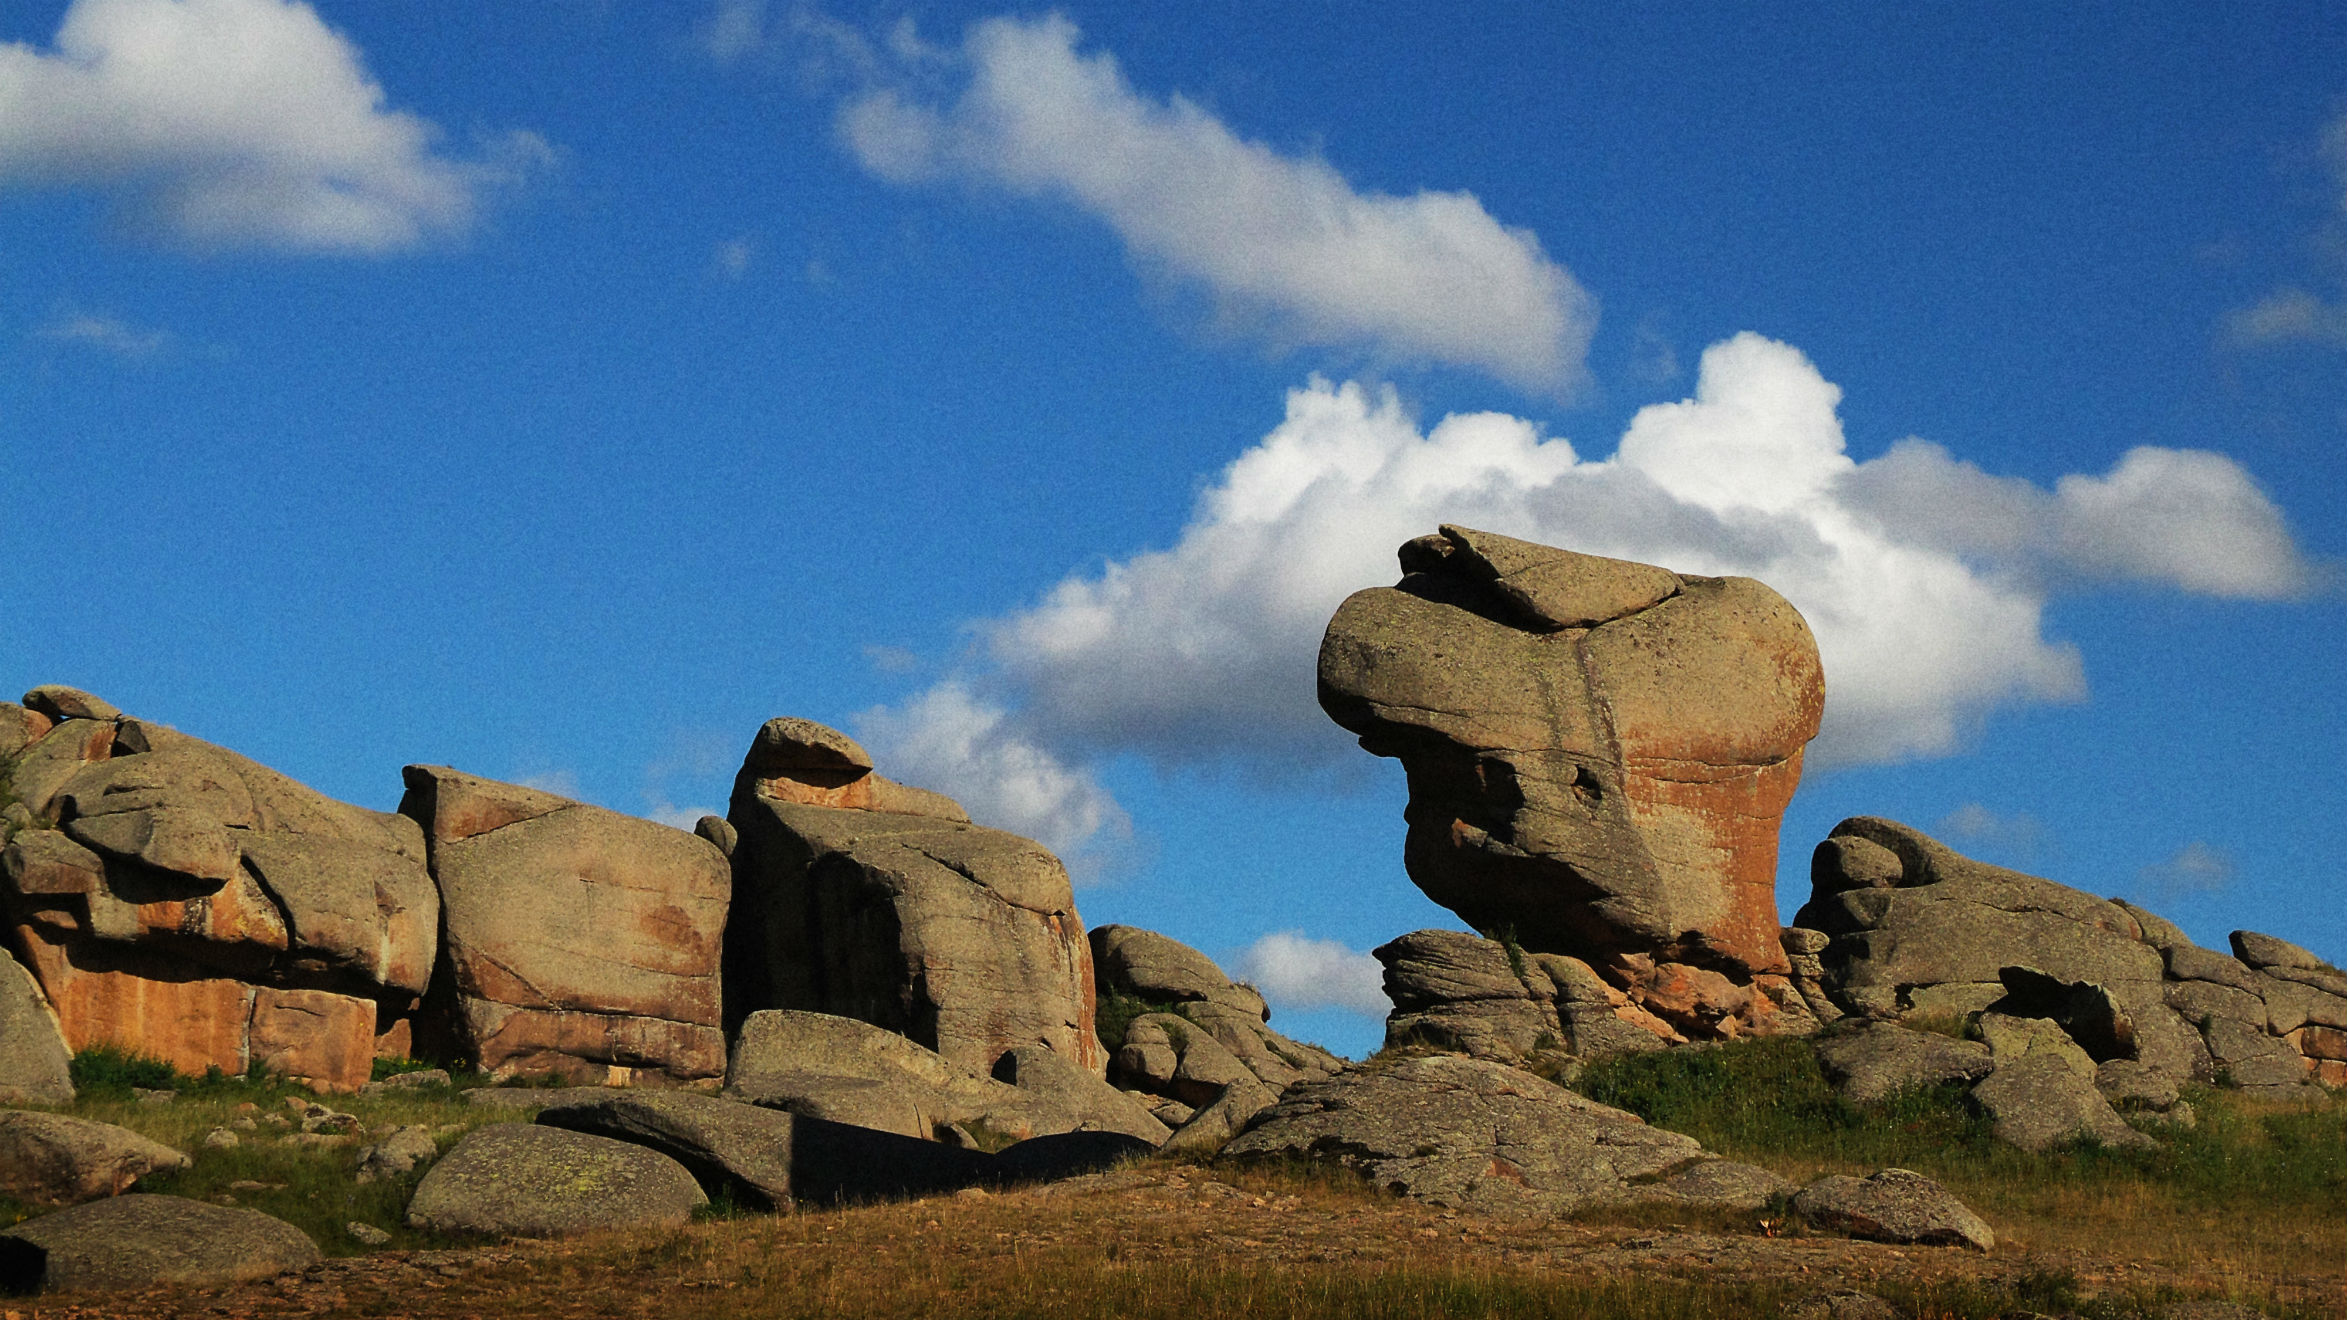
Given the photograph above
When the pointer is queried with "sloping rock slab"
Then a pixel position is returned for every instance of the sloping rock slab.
(725, 1144)
(35, 1066)
(841, 1164)
(1878, 1060)
(1472, 1134)
(519, 1180)
(142, 1241)
(1893, 1206)
(821, 1065)
(2039, 1101)
(50, 1159)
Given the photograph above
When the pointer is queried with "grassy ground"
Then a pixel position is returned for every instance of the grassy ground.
(2256, 1189)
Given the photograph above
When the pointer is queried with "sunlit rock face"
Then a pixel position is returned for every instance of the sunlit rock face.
(1599, 756)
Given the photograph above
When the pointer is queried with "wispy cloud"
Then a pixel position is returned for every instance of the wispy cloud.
(1281, 240)
(1298, 973)
(2196, 868)
(2020, 836)
(2293, 314)
(237, 123)
(105, 333)
(731, 258)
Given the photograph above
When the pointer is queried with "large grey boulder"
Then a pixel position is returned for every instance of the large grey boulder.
(54, 1159)
(1222, 1023)
(145, 1241)
(1158, 969)
(1214, 1123)
(726, 1145)
(1599, 753)
(521, 1180)
(35, 1066)
(168, 894)
(2041, 1099)
(580, 942)
(961, 938)
(1893, 1205)
(1092, 1105)
(1876, 1060)
(1478, 1135)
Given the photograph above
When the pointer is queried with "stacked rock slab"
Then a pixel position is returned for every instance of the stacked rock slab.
(864, 898)
(1907, 927)
(176, 899)
(1599, 755)
(1458, 992)
(579, 942)
(1208, 1060)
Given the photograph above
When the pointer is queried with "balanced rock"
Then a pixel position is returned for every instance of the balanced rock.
(1599, 753)
(847, 901)
(1477, 1135)
(521, 1180)
(168, 894)
(54, 1159)
(149, 1241)
(580, 942)
(1459, 992)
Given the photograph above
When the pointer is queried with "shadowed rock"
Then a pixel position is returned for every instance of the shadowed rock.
(35, 1066)
(53, 1159)
(149, 1241)
(1599, 754)
(1893, 1206)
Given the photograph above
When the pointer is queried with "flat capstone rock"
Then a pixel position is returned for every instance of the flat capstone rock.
(143, 1241)
(522, 1180)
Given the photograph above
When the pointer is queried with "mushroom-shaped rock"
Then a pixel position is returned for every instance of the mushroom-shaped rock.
(149, 1241)
(521, 1180)
(1599, 754)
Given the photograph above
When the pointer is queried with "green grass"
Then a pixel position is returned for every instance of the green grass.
(1114, 1013)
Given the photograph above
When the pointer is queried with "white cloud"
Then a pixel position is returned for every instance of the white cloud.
(2196, 868)
(235, 123)
(2291, 314)
(1973, 825)
(1281, 238)
(1297, 973)
(951, 741)
(732, 257)
(1924, 579)
(102, 332)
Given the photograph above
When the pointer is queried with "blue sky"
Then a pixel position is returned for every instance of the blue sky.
(557, 391)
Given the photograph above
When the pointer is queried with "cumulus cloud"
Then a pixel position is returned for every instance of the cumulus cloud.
(952, 741)
(235, 123)
(1298, 973)
(1277, 238)
(2196, 868)
(1924, 579)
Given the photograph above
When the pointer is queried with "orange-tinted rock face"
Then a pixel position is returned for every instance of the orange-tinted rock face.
(325, 1039)
(1599, 755)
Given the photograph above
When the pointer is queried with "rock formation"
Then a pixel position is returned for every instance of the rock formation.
(2083, 1002)
(1599, 754)
(175, 898)
(1455, 991)
(867, 899)
(580, 942)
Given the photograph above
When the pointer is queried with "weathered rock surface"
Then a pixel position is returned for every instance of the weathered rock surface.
(1158, 969)
(1094, 1105)
(1914, 927)
(399, 1152)
(849, 901)
(1876, 1060)
(727, 1145)
(521, 1180)
(1214, 1031)
(1893, 1205)
(1460, 992)
(146, 1241)
(35, 1065)
(155, 883)
(580, 942)
(1212, 1125)
(1478, 1135)
(53, 1159)
(845, 1070)
(1599, 754)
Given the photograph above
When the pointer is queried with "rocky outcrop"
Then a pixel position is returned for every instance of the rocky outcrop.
(521, 1180)
(53, 1159)
(861, 898)
(580, 942)
(1483, 1136)
(2086, 1004)
(1458, 992)
(174, 898)
(1599, 754)
(1874, 1061)
(1210, 1048)
(149, 1241)
(739, 1150)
